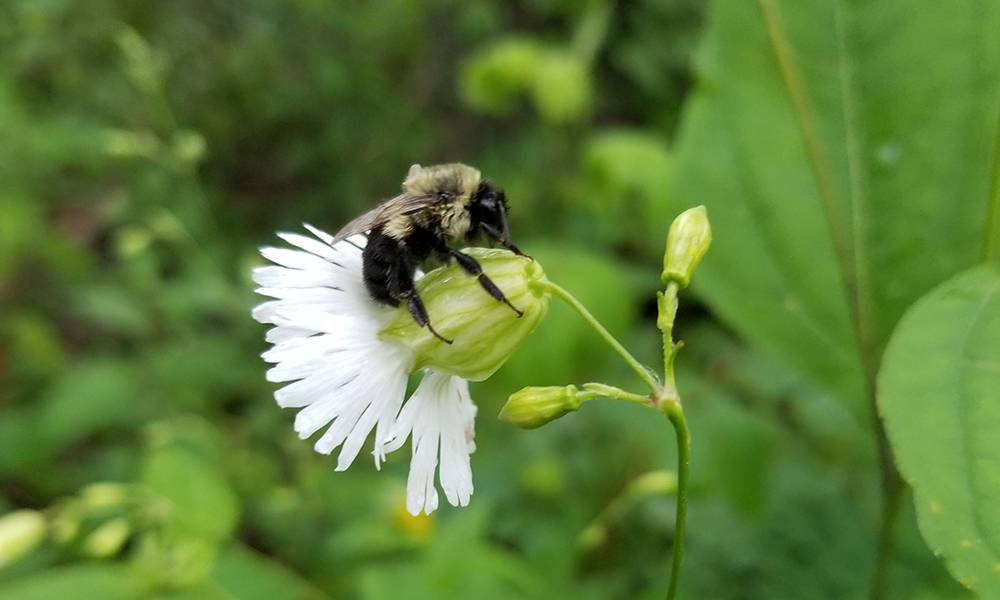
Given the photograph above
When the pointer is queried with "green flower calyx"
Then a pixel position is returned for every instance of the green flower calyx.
(535, 406)
(484, 331)
(687, 242)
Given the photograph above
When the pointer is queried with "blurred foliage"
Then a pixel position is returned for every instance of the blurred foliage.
(146, 151)
(848, 156)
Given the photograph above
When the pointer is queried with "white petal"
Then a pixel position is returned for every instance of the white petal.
(270, 278)
(297, 259)
(318, 385)
(347, 385)
(312, 246)
(276, 335)
(312, 295)
(326, 237)
(456, 446)
(317, 264)
(440, 417)
(325, 340)
(301, 364)
(373, 398)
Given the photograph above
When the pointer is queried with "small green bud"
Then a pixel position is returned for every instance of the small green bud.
(535, 406)
(127, 143)
(20, 532)
(65, 521)
(105, 495)
(484, 331)
(108, 539)
(189, 147)
(687, 242)
(653, 483)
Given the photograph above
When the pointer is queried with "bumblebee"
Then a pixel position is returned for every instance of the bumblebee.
(439, 205)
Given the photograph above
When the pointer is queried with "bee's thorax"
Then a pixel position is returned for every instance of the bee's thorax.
(457, 180)
(398, 227)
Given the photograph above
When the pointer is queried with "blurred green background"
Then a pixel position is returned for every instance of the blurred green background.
(147, 149)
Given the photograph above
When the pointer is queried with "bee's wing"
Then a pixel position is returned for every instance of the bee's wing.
(402, 204)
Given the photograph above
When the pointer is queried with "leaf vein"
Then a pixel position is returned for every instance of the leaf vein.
(819, 163)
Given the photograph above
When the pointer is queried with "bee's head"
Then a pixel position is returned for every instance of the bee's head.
(488, 212)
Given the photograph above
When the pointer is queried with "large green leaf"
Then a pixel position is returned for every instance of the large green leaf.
(832, 138)
(939, 393)
(250, 576)
(203, 504)
(78, 582)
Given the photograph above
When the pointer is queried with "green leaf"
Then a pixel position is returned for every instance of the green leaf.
(460, 562)
(629, 181)
(939, 393)
(194, 372)
(250, 576)
(94, 395)
(78, 582)
(22, 217)
(205, 591)
(494, 77)
(114, 307)
(834, 143)
(738, 445)
(204, 505)
(558, 80)
(562, 89)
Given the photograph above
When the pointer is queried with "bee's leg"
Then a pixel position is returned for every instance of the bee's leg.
(496, 236)
(472, 267)
(419, 313)
(398, 279)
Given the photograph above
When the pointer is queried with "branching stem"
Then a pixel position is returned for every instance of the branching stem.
(676, 416)
(664, 398)
(644, 373)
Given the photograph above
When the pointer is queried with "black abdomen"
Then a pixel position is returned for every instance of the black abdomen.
(388, 265)
(380, 268)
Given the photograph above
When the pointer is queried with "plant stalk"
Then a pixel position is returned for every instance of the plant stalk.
(644, 373)
(664, 398)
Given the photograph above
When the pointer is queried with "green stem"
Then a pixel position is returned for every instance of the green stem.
(892, 492)
(664, 398)
(668, 402)
(991, 228)
(891, 503)
(671, 408)
(676, 416)
(640, 370)
(667, 305)
(610, 391)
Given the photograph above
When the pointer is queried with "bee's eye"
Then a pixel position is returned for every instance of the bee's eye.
(446, 196)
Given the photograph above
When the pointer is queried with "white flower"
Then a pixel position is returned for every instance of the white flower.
(326, 340)
(441, 416)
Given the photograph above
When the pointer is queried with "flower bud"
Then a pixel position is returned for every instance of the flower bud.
(108, 539)
(105, 495)
(687, 242)
(20, 532)
(484, 331)
(535, 406)
(65, 520)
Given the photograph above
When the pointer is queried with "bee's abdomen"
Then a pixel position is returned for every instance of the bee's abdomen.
(380, 268)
